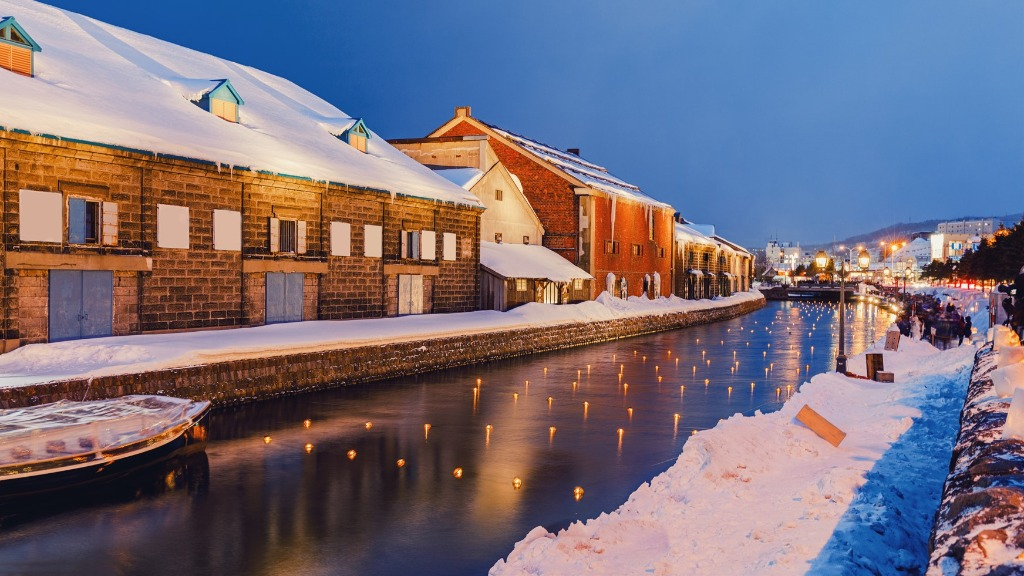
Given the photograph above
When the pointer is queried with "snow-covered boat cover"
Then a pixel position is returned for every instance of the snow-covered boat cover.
(68, 428)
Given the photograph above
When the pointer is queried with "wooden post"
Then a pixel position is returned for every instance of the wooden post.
(820, 426)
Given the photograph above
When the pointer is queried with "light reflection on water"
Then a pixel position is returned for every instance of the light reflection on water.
(273, 508)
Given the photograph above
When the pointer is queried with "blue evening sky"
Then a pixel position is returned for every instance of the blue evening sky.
(798, 118)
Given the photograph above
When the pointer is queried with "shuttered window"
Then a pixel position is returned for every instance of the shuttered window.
(287, 236)
(428, 245)
(341, 239)
(448, 246)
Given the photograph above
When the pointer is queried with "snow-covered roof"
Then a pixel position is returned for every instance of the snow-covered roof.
(528, 261)
(591, 174)
(705, 229)
(684, 233)
(105, 85)
(464, 177)
(734, 247)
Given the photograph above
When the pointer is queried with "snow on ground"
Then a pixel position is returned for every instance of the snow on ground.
(764, 494)
(38, 363)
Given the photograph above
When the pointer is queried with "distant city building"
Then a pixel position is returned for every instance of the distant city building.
(951, 247)
(784, 256)
(983, 227)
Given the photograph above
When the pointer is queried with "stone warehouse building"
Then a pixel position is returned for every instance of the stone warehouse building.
(708, 265)
(605, 226)
(216, 195)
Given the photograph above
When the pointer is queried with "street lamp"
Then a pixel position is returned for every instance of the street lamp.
(907, 273)
(863, 260)
(821, 260)
(841, 357)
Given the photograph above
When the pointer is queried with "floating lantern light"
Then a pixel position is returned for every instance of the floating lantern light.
(307, 423)
(515, 395)
(550, 400)
(426, 431)
(709, 361)
(517, 483)
(368, 425)
(625, 388)
(707, 381)
(629, 410)
(266, 439)
(478, 382)
(400, 462)
(309, 447)
(457, 473)
(351, 454)
(694, 433)
(676, 417)
(659, 379)
(577, 493)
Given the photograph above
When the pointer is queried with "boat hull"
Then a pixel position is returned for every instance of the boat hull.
(191, 438)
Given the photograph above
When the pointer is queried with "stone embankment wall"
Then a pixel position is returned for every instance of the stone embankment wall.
(265, 377)
(979, 527)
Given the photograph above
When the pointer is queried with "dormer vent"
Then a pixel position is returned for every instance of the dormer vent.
(17, 48)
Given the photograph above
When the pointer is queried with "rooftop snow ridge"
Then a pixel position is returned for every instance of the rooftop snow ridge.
(281, 130)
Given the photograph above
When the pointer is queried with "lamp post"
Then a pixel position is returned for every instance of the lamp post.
(863, 260)
(907, 273)
(841, 357)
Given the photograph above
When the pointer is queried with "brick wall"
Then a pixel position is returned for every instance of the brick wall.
(259, 378)
(200, 287)
(550, 195)
(632, 228)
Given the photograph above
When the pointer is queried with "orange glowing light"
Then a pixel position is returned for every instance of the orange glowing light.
(517, 483)
(351, 454)
(400, 463)
(368, 425)
(307, 423)
(309, 448)
(457, 473)
(266, 439)
(577, 493)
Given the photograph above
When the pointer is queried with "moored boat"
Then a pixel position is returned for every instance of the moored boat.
(66, 444)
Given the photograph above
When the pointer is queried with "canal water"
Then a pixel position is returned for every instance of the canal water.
(312, 484)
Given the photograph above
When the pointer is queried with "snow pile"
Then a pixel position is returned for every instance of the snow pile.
(979, 528)
(107, 85)
(528, 261)
(764, 494)
(38, 363)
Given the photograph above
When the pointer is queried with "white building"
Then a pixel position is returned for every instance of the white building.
(983, 227)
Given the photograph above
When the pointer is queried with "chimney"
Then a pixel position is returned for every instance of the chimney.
(463, 111)
(573, 151)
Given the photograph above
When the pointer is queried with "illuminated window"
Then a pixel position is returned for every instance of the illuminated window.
(520, 284)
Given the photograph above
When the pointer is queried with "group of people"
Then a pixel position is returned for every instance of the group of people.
(1013, 303)
(932, 321)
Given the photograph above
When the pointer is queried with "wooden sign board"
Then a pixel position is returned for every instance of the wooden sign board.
(820, 426)
(875, 362)
(883, 376)
(892, 340)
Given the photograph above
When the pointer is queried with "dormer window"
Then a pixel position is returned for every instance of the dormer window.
(217, 97)
(356, 135)
(16, 48)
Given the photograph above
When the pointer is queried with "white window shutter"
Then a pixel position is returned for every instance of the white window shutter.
(109, 220)
(41, 216)
(403, 237)
(275, 235)
(341, 239)
(300, 233)
(373, 241)
(429, 245)
(448, 248)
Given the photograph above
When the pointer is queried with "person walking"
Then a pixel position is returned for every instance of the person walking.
(968, 330)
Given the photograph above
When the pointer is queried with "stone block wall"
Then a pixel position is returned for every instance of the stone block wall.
(200, 287)
(266, 377)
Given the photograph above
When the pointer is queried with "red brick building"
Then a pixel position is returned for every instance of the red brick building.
(216, 196)
(604, 225)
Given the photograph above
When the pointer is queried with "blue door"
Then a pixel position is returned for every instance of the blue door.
(81, 304)
(284, 297)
